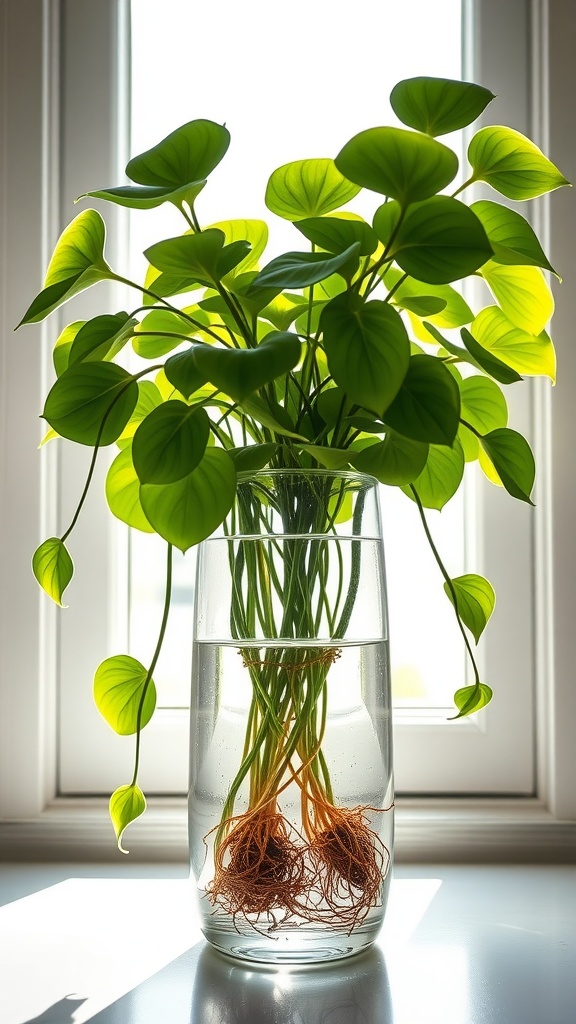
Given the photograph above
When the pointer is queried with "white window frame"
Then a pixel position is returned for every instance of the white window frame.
(523, 40)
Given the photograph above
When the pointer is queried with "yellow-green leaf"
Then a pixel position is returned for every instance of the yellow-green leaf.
(126, 804)
(123, 492)
(523, 294)
(524, 352)
(124, 694)
(472, 698)
(307, 188)
(53, 568)
(512, 164)
(474, 598)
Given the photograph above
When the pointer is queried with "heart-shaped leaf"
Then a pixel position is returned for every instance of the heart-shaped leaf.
(440, 240)
(307, 188)
(396, 460)
(367, 347)
(170, 443)
(91, 403)
(334, 234)
(240, 372)
(441, 476)
(77, 263)
(512, 238)
(149, 398)
(512, 164)
(188, 511)
(512, 458)
(53, 568)
(438, 105)
(124, 694)
(181, 370)
(126, 804)
(201, 258)
(475, 600)
(522, 293)
(471, 698)
(102, 337)
(188, 154)
(483, 404)
(427, 406)
(123, 492)
(397, 163)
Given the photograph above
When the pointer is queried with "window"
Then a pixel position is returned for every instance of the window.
(511, 43)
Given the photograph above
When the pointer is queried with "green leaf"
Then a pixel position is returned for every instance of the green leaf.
(367, 347)
(533, 356)
(126, 804)
(441, 476)
(159, 323)
(523, 294)
(455, 313)
(440, 240)
(302, 269)
(149, 398)
(276, 420)
(63, 344)
(101, 338)
(397, 163)
(422, 306)
(307, 188)
(438, 105)
(512, 238)
(148, 197)
(188, 154)
(252, 457)
(77, 263)
(283, 310)
(335, 234)
(123, 492)
(91, 403)
(484, 359)
(255, 232)
(483, 404)
(197, 259)
(124, 694)
(427, 406)
(188, 511)
(472, 698)
(182, 371)
(240, 372)
(330, 458)
(396, 460)
(475, 599)
(512, 458)
(170, 443)
(53, 568)
(512, 164)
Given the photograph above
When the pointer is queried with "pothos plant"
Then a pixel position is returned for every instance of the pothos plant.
(355, 350)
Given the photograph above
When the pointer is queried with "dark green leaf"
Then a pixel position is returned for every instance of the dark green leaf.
(307, 188)
(367, 348)
(91, 403)
(188, 154)
(441, 476)
(397, 163)
(512, 238)
(182, 371)
(455, 313)
(424, 305)
(126, 804)
(252, 457)
(487, 361)
(438, 105)
(196, 259)
(475, 599)
(77, 262)
(188, 511)
(121, 687)
(512, 164)
(472, 698)
(102, 337)
(123, 492)
(53, 568)
(240, 372)
(170, 443)
(396, 460)
(302, 269)
(336, 234)
(440, 240)
(427, 406)
(513, 460)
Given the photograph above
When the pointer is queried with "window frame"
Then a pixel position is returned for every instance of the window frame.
(30, 811)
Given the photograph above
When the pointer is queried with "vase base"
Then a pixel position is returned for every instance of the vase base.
(298, 946)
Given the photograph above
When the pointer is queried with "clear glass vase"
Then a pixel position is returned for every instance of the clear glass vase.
(291, 791)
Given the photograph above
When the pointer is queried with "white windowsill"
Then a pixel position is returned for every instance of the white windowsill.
(484, 830)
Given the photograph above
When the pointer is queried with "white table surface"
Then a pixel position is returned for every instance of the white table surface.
(461, 945)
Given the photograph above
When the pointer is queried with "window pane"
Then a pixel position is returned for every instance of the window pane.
(296, 89)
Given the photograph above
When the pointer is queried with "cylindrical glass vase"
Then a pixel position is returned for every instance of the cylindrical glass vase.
(291, 791)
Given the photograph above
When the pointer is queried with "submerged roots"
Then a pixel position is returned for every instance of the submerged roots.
(264, 869)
